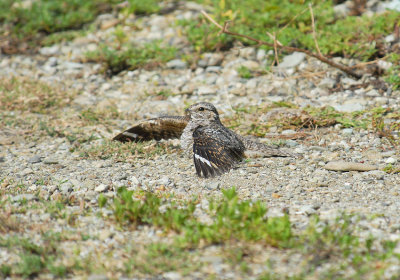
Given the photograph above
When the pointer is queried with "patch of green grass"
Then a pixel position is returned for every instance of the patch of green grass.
(164, 94)
(327, 116)
(276, 276)
(47, 22)
(35, 259)
(382, 121)
(280, 104)
(31, 21)
(55, 209)
(102, 200)
(338, 243)
(62, 36)
(291, 21)
(157, 258)
(90, 116)
(141, 7)
(244, 72)
(234, 225)
(130, 57)
(5, 270)
(308, 118)
(389, 168)
(393, 77)
(236, 256)
(203, 36)
(232, 219)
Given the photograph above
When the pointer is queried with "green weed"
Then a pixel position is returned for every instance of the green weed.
(5, 270)
(32, 22)
(393, 77)
(389, 168)
(234, 224)
(202, 36)
(244, 72)
(62, 36)
(35, 259)
(143, 7)
(291, 21)
(157, 258)
(232, 219)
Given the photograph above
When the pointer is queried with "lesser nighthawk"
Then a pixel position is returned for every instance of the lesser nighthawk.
(216, 149)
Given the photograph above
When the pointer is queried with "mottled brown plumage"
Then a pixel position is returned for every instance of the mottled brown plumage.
(167, 127)
(216, 149)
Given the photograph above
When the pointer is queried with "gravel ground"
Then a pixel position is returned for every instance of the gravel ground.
(34, 165)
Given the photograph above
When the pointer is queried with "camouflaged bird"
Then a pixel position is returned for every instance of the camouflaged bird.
(216, 149)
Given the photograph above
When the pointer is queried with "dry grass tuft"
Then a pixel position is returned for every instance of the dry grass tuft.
(28, 95)
(8, 223)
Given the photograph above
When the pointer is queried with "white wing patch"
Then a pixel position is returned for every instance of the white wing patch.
(203, 160)
(130, 134)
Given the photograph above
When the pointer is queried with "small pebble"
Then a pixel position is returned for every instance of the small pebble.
(101, 188)
(35, 159)
(50, 160)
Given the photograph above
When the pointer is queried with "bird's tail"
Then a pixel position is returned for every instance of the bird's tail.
(262, 150)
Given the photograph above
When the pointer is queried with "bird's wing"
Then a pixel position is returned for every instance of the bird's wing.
(167, 127)
(212, 154)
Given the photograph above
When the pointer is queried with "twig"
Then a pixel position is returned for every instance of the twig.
(276, 42)
(308, 75)
(313, 30)
(348, 70)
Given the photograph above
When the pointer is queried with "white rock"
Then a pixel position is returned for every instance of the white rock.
(373, 93)
(53, 50)
(390, 160)
(101, 188)
(176, 64)
(72, 65)
(251, 84)
(248, 53)
(261, 54)
(134, 181)
(327, 83)
(349, 107)
(385, 65)
(347, 131)
(33, 188)
(292, 60)
(251, 64)
(341, 10)
(204, 90)
(172, 275)
(392, 5)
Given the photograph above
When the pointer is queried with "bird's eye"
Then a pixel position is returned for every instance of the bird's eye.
(201, 109)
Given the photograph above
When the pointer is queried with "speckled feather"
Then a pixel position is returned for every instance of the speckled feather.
(166, 127)
(215, 150)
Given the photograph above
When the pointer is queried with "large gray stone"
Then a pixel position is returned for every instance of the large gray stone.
(349, 166)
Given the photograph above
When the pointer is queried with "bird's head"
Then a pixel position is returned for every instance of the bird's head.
(204, 113)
